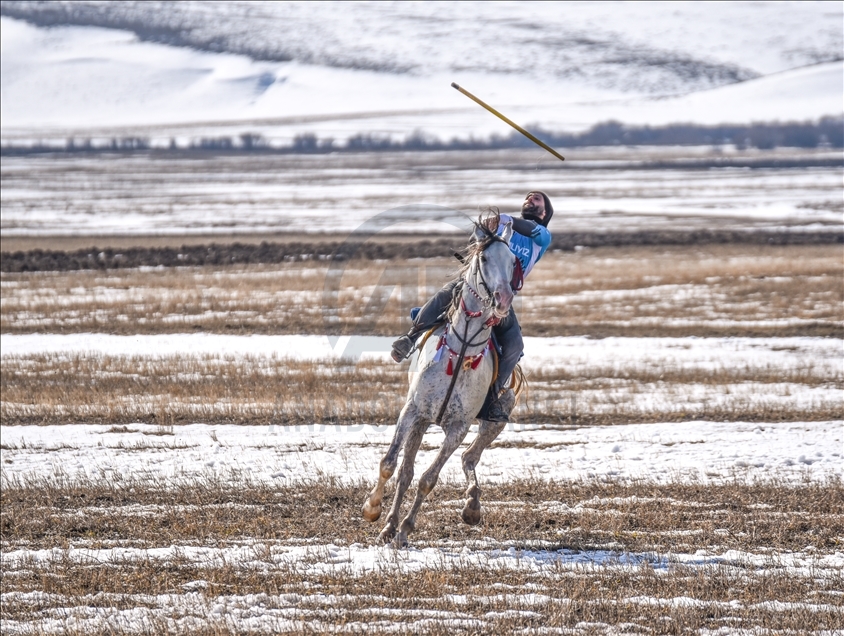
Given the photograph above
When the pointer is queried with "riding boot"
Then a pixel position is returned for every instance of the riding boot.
(430, 314)
(497, 407)
(404, 345)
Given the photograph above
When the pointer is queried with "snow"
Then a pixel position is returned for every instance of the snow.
(663, 452)
(420, 39)
(357, 560)
(700, 450)
(303, 611)
(291, 347)
(576, 353)
(781, 96)
(385, 70)
(707, 353)
(437, 194)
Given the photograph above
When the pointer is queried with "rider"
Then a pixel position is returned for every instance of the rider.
(530, 240)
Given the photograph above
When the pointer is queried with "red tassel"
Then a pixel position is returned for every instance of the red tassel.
(449, 369)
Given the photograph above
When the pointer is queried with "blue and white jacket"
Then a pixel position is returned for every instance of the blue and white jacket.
(528, 249)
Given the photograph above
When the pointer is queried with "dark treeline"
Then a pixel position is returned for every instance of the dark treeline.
(827, 132)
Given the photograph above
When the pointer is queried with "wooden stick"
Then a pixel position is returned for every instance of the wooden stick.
(512, 123)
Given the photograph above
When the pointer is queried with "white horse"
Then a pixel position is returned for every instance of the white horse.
(449, 380)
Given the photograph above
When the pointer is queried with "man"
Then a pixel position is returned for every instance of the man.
(531, 239)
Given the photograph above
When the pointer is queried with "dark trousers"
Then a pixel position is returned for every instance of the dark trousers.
(507, 332)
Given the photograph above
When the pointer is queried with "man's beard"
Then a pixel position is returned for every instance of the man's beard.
(530, 211)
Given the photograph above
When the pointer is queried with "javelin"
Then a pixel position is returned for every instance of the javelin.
(512, 123)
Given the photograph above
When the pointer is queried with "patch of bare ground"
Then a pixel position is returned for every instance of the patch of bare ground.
(180, 389)
(584, 557)
(715, 290)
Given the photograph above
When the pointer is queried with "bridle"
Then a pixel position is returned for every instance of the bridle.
(516, 282)
(476, 271)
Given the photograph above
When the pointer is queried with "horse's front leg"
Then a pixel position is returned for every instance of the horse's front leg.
(372, 506)
(487, 433)
(454, 437)
(411, 447)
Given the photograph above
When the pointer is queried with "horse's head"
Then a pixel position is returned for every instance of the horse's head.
(493, 265)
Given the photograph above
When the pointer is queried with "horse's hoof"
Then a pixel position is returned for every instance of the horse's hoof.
(471, 512)
(387, 535)
(371, 513)
(400, 541)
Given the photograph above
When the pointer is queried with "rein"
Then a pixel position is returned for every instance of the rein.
(474, 361)
(456, 371)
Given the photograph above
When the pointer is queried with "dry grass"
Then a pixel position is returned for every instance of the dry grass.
(179, 389)
(730, 290)
(642, 524)
(636, 516)
(719, 290)
(726, 290)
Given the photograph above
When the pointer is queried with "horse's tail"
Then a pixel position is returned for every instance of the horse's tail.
(518, 382)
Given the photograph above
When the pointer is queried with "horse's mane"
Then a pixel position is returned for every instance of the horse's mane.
(488, 221)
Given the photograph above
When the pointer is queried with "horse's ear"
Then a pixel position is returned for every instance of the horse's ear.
(479, 234)
(507, 233)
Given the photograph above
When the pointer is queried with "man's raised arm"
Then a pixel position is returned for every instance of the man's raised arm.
(533, 230)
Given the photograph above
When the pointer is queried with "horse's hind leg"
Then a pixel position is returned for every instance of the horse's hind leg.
(411, 447)
(487, 433)
(454, 437)
(372, 506)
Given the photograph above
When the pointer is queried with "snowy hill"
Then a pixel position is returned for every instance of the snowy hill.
(191, 69)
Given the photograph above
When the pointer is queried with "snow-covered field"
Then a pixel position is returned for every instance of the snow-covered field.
(578, 354)
(716, 524)
(711, 523)
(269, 613)
(698, 451)
(194, 606)
(659, 555)
(285, 69)
(670, 451)
(602, 190)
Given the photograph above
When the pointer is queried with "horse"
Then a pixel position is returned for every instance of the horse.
(450, 375)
